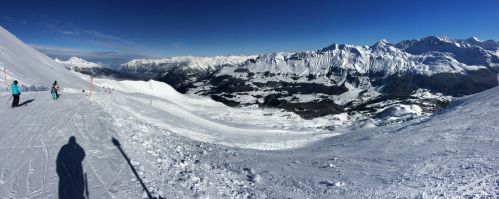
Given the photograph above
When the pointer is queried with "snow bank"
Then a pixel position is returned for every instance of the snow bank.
(399, 111)
(203, 119)
(158, 89)
(77, 62)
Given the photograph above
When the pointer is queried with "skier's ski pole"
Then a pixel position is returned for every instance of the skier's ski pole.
(9, 99)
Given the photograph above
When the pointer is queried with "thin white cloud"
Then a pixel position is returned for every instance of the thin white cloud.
(101, 35)
(118, 50)
(113, 58)
(67, 32)
(71, 32)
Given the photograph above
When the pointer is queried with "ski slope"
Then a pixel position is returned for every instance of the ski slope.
(451, 154)
(185, 146)
(35, 132)
(199, 117)
(32, 136)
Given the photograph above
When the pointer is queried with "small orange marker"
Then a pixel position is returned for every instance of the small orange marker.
(91, 79)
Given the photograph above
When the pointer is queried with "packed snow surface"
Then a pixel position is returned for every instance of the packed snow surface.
(451, 154)
(185, 146)
(196, 118)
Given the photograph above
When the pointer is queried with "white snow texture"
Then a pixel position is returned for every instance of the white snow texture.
(186, 146)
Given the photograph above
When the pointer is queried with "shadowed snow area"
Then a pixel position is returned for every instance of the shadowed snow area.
(32, 136)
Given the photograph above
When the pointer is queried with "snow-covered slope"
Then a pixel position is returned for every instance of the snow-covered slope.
(191, 61)
(203, 119)
(184, 146)
(452, 154)
(30, 67)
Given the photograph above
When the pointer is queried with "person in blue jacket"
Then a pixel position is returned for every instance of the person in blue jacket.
(54, 89)
(15, 94)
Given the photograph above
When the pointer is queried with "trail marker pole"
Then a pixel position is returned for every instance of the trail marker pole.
(91, 79)
(5, 77)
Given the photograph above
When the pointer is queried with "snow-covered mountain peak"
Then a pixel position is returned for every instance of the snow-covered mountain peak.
(426, 41)
(437, 39)
(77, 62)
(473, 39)
(336, 47)
(277, 56)
(328, 48)
(381, 43)
(76, 59)
(487, 45)
(385, 46)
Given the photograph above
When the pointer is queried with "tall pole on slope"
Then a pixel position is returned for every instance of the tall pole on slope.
(5, 77)
(91, 79)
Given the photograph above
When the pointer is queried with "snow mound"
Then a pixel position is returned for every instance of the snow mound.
(203, 119)
(77, 62)
(160, 90)
(399, 111)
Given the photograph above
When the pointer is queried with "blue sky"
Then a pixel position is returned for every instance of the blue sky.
(115, 31)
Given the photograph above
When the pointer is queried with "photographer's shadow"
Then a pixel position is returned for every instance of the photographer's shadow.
(72, 181)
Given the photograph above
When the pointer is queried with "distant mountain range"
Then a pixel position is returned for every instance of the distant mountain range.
(338, 78)
(90, 68)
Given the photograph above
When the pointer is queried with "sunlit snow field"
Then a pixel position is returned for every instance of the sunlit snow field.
(185, 146)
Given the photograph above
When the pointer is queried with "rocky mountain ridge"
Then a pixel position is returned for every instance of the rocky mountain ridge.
(336, 79)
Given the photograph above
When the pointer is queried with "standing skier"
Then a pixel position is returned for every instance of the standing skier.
(54, 89)
(15, 94)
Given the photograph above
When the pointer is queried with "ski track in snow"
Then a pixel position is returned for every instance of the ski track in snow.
(33, 135)
(188, 147)
(452, 154)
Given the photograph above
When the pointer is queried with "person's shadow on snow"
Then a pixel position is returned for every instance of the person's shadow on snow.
(72, 182)
(26, 102)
